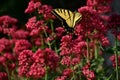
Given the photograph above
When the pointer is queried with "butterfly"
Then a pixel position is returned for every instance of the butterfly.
(69, 19)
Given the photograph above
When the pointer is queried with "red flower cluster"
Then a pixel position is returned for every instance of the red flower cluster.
(3, 76)
(101, 6)
(35, 65)
(5, 44)
(45, 10)
(40, 50)
(21, 45)
(113, 59)
(65, 74)
(7, 24)
(88, 73)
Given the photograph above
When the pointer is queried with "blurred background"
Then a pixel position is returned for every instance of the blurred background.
(16, 8)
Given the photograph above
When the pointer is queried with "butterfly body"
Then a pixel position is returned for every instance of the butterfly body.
(68, 18)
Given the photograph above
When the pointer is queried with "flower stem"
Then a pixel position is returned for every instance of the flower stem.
(116, 59)
(51, 24)
(46, 75)
(7, 70)
(47, 36)
(88, 49)
(96, 50)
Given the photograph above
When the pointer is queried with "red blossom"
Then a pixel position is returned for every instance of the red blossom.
(59, 31)
(7, 20)
(5, 44)
(37, 41)
(89, 74)
(25, 60)
(3, 76)
(118, 36)
(67, 72)
(101, 6)
(21, 45)
(9, 56)
(91, 21)
(46, 11)
(51, 58)
(32, 6)
(114, 21)
(66, 60)
(19, 34)
(39, 57)
(36, 71)
(105, 41)
(35, 27)
(113, 59)
(61, 78)
(3, 60)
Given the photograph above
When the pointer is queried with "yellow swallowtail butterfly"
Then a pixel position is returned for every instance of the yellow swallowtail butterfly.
(68, 17)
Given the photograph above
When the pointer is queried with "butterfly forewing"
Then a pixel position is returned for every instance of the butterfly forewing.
(71, 18)
(63, 13)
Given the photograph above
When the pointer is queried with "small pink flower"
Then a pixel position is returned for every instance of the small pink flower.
(5, 44)
(59, 31)
(39, 56)
(19, 34)
(61, 78)
(105, 41)
(6, 20)
(38, 41)
(3, 76)
(21, 45)
(9, 56)
(113, 58)
(101, 6)
(46, 11)
(36, 71)
(25, 61)
(3, 60)
(118, 36)
(32, 6)
(66, 61)
(67, 72)
(88, 73)
(51, 58)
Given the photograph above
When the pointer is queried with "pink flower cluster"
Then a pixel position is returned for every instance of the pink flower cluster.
(35, 64)
(113, 59)
(5, 44)
(37, 6)
(7, 24)
(101, 6)
(41, 49)
(21, 45)
(3, 76)
(89, 74)
(65, 74)
(35, 27)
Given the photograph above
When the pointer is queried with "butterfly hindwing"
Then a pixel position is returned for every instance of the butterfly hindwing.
(77, 18)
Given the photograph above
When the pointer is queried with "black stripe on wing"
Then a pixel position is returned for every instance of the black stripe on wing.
(65, 25)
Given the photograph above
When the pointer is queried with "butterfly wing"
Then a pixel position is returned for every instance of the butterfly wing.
(77, 17)
(64, 14)
(71, 18)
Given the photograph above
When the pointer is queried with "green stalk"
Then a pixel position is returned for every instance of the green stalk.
(46, 75)
(51, 24)
(73, 77)
(88, 49)
(96, 50)
(116, 58)
(7, 70)
(48, 41)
